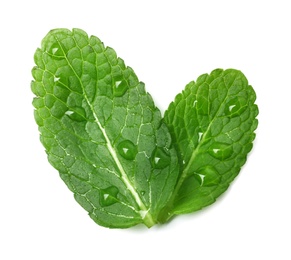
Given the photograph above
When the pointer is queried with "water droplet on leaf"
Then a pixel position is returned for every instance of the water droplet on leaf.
(117, 83)
(108, 196)
(77, 114)
(127, 149)
(235, 106)
(69, 112)
(56, 51)
(200, 178)
(160, 158)
(208, 176)
(200, 134)
(220, 151)
(56, 79)
(157, 160)
(119, 88)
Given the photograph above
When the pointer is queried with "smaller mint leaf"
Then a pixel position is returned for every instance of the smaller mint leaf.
(212, 123)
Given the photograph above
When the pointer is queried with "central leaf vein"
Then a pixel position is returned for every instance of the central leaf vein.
(148, 218)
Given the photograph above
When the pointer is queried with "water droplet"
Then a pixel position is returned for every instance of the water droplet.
(117, 83)
(127, 149)
(221, 151)
(208, 176)
(69, 112)
(56, 79)
(77, 114)
(200, 134)
(160, 158)
(157, 160)
(200, 178)
(108, 196)
(120, 88)
(235, 106)
(56, 51)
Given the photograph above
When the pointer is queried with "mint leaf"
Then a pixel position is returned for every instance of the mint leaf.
(212, 123)
(102, 131)
(123, 162)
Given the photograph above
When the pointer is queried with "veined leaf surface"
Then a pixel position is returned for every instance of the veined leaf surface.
(102, 131)
(124, 163)
(212, 123)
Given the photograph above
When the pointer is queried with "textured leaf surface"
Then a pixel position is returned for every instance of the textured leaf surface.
(124, 164)
(102, 131)
(212, 123)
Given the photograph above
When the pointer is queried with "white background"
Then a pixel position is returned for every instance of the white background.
(167, 43)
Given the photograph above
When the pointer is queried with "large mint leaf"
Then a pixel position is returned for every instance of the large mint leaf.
(212, 123)
(101, 130)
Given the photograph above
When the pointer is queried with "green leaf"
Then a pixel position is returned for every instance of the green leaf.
(212, 123)
(102, 131)
(123, 162)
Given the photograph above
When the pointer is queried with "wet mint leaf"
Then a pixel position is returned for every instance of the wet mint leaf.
(212, 123)
(102, 131)
(123, 162)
